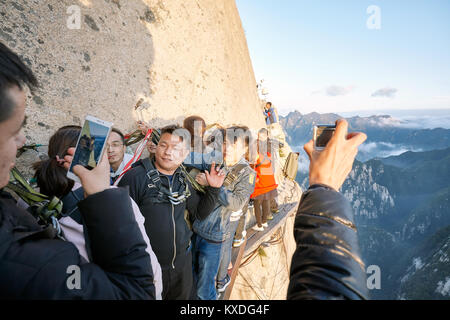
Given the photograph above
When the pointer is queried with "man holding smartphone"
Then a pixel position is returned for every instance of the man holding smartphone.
(34, 263)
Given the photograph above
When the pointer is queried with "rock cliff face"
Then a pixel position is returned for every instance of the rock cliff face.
(182, 58)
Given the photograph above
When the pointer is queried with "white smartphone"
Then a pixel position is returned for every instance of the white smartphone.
(90, 145)
(322, 134)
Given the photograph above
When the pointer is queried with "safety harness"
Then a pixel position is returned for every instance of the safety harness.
(234, 173)
(164, 193)
(154, 135)
(47, 211)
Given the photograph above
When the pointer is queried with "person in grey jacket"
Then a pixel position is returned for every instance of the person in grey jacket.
(211, 233)
(326, 263)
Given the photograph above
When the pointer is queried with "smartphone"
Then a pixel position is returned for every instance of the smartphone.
(322, 134)
(90, 145)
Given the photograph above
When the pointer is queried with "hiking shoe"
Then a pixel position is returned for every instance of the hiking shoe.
(238, 242)
(256, 228)
(270, 217)
(222, 285)
(265, 225)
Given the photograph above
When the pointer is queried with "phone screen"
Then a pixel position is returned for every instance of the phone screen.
(90, 145)
(323, 135)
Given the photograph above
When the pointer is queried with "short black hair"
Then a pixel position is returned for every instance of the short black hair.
(12, 72)
(122, 137)
(170, 129)
(263, 130)
(269, 103)
(178, 130)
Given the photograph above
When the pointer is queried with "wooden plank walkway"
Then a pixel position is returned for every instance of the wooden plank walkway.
(255, 238)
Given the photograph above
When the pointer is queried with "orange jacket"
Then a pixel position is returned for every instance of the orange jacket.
(265, 179)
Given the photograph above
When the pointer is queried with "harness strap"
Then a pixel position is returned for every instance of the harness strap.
(137, 154)
(233, 174)
(163, 193)
(46, 210)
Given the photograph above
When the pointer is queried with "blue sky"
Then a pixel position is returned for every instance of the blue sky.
(321, 56)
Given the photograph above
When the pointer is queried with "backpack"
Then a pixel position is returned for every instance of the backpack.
(291, 166)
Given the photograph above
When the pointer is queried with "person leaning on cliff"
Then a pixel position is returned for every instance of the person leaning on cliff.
(34, 263)
(327, 263)
(164, 195)
(270, 114)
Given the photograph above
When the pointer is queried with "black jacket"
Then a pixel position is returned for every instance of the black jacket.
(165, 223)
(326, 263)
(35, 265)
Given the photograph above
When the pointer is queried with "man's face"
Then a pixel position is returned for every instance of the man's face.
(151, 147)
(234, 152)
(116, 149)
(11, 135)
(262, 136)
(170, 152)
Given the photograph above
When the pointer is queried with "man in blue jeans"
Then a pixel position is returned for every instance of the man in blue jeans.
(209, 234)
(223, 279)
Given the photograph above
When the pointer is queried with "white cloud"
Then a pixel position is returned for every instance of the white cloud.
(370, 150)
(444, 287)
(333, 91)
(385, 92)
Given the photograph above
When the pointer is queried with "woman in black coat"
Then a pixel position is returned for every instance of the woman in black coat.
(36, 265)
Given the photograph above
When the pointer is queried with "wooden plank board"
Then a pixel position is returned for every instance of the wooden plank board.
(254, 240)
(236, 262)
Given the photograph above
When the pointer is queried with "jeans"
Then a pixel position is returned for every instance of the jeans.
(206, 259)
(227, 247)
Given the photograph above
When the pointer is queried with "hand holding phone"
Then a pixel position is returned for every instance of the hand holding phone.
(322, 134)
(332, 165)
(93, 181)
(90, 145)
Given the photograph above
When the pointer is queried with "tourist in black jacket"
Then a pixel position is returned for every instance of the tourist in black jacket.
(169, 204)
(327, 263)
(36, 265)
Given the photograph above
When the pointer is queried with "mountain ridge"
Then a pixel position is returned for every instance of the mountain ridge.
(400, 202)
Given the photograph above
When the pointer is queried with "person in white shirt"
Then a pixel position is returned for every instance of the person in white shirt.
(117, 156)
